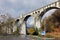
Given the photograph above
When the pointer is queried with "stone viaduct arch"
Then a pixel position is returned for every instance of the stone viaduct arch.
(26, 19)
(46, 10)
(37, 15)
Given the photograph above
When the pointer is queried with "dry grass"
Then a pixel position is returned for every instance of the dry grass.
(55, 33)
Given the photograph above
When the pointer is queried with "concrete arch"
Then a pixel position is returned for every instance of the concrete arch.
(25, 19)
(46, 10)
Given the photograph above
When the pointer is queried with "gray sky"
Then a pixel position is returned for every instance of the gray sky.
(18, 7)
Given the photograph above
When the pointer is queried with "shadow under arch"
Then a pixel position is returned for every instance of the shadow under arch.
(25, 19)
(46, 10)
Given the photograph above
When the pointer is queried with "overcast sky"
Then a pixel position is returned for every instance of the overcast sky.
(18, 7)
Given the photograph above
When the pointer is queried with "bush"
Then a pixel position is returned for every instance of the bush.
(36, 32)
(31, 30)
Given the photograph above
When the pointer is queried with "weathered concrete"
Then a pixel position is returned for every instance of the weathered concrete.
(36, 14)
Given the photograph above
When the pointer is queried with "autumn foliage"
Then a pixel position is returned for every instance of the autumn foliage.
(52, 24)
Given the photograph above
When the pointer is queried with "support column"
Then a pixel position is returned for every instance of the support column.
(23, 29)
(35, 22)
(38, 23)
(14, 28)
(58, 3)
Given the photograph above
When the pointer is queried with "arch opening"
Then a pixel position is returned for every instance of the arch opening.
(44, 12)
(29, 21)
